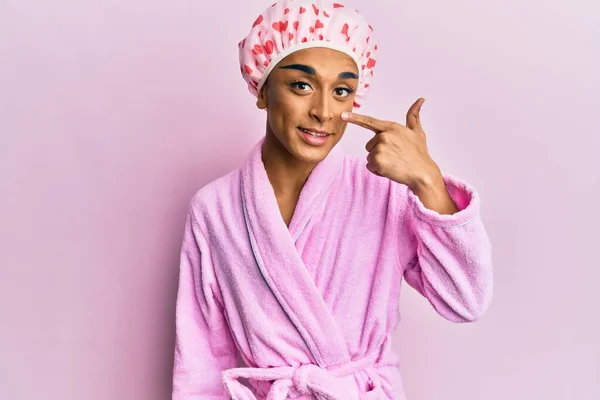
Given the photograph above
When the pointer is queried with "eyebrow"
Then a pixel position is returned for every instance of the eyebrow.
(311, 71)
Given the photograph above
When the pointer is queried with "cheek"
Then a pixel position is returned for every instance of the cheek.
(287, 110)
(341, 107)
(281, 117)
(341, 128)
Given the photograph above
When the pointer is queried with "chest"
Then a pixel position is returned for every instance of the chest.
(287, 204)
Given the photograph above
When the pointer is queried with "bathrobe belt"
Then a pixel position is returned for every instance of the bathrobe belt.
(303, 380)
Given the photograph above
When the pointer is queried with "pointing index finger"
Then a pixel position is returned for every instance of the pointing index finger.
(365, 121)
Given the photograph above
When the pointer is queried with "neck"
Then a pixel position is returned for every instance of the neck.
(286, 174)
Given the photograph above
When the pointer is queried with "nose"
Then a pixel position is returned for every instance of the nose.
(321, 108)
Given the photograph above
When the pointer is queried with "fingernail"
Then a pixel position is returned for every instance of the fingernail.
(345, 115)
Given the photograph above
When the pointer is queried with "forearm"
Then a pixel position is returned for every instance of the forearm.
(453, 266)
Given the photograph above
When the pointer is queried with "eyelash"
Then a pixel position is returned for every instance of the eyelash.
(294, 84)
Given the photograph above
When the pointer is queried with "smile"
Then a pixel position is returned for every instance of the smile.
(315, 133)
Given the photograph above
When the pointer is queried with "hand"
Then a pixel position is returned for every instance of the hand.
(400, 152)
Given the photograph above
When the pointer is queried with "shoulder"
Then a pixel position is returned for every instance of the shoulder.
(217, 194)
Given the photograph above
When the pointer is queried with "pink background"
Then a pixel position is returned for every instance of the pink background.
(113, 113)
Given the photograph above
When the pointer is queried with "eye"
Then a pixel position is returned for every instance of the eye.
(300, 85)
(343, 92)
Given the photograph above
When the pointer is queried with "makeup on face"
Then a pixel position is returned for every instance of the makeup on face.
(313, 80)
(311, 71)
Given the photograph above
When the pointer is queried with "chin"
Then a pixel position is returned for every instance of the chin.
(310, 151)
(311, 154)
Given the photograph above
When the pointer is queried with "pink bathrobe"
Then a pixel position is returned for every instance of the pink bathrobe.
(310, 309)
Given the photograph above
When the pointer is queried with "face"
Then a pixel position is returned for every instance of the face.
(304, 96)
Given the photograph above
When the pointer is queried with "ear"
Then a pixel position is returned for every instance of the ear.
(261, 100)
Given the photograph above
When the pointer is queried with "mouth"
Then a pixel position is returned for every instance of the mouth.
(315, 132)
(314, 137)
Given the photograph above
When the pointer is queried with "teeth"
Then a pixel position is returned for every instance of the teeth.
(314, 133)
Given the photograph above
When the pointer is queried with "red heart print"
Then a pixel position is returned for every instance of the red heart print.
(247, 69)
(371, 63)
(291, 36)
(296, 25)
(269, 47)
(304, 40)
(356, 105)
(302, 10)
(375, 47)
(312, 29)
(369, 37)
(316, 9)
(319, 24)
(338, 5)
(287, 10)
(325, 13)
(258, 20)
(368, 53)
(320, 37)
(345, 29)
(266, 63)
(367, 85)
(370, 27)
(280, 26)
(257, 49)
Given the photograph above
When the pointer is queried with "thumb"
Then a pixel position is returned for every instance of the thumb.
(413, 120)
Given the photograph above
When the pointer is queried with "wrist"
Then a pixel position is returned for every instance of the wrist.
(430, 182)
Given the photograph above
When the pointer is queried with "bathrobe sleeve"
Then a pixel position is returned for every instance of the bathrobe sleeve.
(203, 346)
(452, 261)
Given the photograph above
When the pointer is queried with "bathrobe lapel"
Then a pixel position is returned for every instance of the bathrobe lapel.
(273, 245)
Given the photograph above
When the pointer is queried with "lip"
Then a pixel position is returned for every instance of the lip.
(315, 130)
(316, 141)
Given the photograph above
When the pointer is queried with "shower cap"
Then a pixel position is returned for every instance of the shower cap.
(291, 25)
